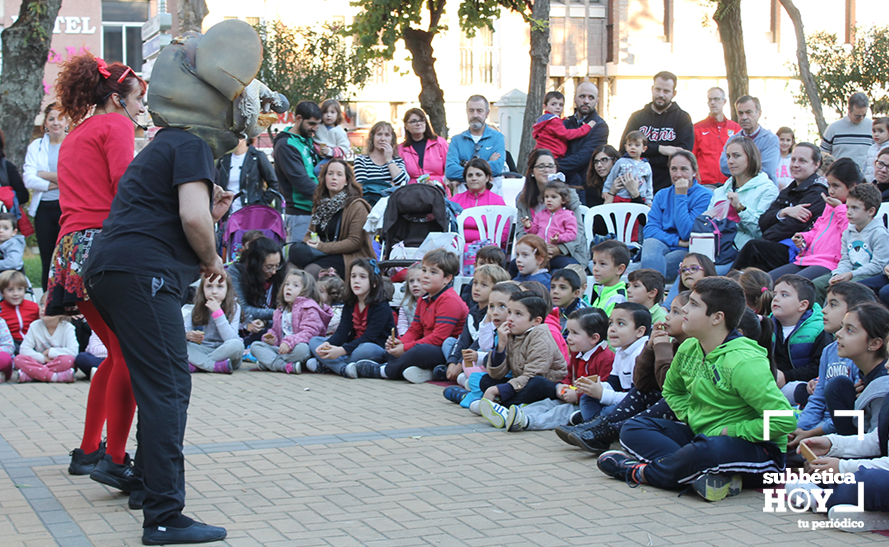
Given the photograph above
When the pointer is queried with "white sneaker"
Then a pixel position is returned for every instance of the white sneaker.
(516, 419)
(869, 520)
(312, 365)
(351, 371)
(474, 407)
(461, 380)
(494, 413)
(417, 375)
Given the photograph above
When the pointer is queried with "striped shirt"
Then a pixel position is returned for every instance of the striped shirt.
(376, 178)
(844, 139)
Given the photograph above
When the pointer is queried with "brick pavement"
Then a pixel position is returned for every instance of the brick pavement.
(357, 462)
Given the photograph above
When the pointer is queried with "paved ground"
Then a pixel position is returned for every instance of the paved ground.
(358, 462)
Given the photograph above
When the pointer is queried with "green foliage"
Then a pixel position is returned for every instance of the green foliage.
(310, 63)
(840, 69)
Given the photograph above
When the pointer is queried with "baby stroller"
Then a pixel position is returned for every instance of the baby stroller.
(264, 218)
(413, 212)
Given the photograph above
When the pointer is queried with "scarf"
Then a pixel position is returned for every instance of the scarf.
(326, 208)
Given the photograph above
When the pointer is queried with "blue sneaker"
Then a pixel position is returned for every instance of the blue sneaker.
(621, 466)
(455, 394)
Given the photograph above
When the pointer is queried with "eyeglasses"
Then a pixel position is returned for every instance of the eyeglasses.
(272, 269)
(690, 269)
(715, 100)
(881, 165)
(545, 166)
(602, 161)
(417, 122)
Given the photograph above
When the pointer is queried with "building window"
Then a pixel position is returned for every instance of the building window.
(477, 58)
(122, 32)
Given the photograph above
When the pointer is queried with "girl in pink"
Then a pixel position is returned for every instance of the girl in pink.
(48, 350)
(424, 152)
(555, 224)
(477, 174)
(299, 318)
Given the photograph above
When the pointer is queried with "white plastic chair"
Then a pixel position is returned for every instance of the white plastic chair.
(883, 214)
(615, 216)
(493, 222)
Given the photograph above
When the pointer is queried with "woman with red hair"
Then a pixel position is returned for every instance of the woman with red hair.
(101, 101)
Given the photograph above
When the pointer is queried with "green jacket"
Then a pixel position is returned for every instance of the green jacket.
(605, 298)
(294, 166)
(729, 388)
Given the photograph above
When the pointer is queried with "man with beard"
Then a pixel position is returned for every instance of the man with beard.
(580, 151)
(295, 161)
(479, 141)
(667, 127)
(749, 111)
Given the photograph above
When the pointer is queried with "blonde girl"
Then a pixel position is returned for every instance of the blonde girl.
(413, 293)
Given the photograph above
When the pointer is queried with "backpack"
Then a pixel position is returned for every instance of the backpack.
(724, 232)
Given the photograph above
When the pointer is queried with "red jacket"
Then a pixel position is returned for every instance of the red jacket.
(554, 322)
(551, 134)
(437, 318)
(19, 318)
(710, 139)
(599, 364)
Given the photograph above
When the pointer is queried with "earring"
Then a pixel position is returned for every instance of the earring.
(45, 130)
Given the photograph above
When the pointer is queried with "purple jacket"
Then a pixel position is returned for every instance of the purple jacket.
(309, 320)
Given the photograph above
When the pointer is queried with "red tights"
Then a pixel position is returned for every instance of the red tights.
(111, 394)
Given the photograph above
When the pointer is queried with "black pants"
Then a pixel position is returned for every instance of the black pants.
(144, 312)
(46, 224)
(762, 254)
(839, 394)
(538, 388)
(313, 260)
(425, 356)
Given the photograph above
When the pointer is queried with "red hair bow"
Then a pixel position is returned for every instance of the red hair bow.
(103, 67)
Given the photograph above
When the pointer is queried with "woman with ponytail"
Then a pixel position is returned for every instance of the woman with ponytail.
(101, 102)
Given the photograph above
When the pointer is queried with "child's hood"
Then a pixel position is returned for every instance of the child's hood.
(16, 240)
(303, 303)
(736, 347)
(545, 118)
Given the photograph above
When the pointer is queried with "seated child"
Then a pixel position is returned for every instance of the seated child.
(565, 289)
(332, 291)
(590, 356)
(526, 351)
(880, 132)
(630, 169)
(629, 328)
(48, 350)
(211, 328)
(413, 293)
(719, 386)
(484, 280)
(646, 287)
(549, 131)
(799, 335)
(554, 223)
(7, 350)
(486, 255)
(12, 244)
(694, 267)
(298, 319)
(531, 259)
(582, 275)
(14, 309)
(88, 360)
(815, 419)
(610, 260)
(440, 315)
(366, 323)
(552, 320)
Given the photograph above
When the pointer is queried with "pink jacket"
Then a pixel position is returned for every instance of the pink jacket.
(467, 200)
(555, 327)
(433, 160)
(309, 320)
(562, 222)
(824, 242)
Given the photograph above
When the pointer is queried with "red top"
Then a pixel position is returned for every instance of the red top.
(19, 318)
(599, 364)
(710, 139)
(437, 318)
(552, 134)
(359, 321)
(92, 159)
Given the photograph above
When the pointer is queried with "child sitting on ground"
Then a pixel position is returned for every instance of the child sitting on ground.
(565, 289)
(14, 309)
(759, 290)
(582, 275)
(297, 320)
(551, 320)
(531, 260)
(554, 223)
(719, 386)
(529, 353)
(88, 360)
(211, 328)
(48, 350)
(610, 260)
(550, 133)
(486, 255)
(412, 295)
(7, 350)
(629, 168)
(440, 315)
(12, 244)
(590, 356)
(693, 268)
(367, 322)
(646, 287)
(332, 291)
(799, 335)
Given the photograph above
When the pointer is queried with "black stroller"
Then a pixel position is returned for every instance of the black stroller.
(413, 212)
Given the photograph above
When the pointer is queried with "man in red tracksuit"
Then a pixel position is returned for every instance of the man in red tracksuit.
(711, 134)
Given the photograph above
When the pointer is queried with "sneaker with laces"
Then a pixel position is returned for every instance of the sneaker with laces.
(223, 367)
(717, 486)
(23, 378)
(440, 373)
(597, 439)
(116, 475)
(350, 371)
(293, 368)
(621, 466)
(417, 375)
(368, 369)
(312, 365)
(516, 419)
(83, 463)
(864, 521)
(564, 431)
(454, 394)
(494, 413)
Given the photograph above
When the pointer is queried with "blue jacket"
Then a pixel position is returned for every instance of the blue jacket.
(580, 151)
(672, 215)
(462, 148)
(544, 277)
(832, 365)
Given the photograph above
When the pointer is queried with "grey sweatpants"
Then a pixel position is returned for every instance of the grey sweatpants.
(204, 357)
(269, 359)
(548, 414)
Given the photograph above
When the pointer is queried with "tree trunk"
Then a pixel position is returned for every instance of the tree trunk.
(191, 15)
(802, 55)
(728, 21)
(419, 43)
(25, 48)
(540, 50)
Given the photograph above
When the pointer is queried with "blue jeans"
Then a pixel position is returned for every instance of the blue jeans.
(591, 407)
(367, 350)
(659, 256)
(880, 285)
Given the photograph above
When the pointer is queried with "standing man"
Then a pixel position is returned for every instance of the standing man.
(580, 151)
(749, 111)
(711, 134)
(295, 161)
(667, 127)
(850, 137)
(479, 141)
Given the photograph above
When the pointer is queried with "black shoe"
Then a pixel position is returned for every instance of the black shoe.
(137, 499)
(83, 463)
(440, 373)
(576, 418)
(115, 475)
(196, 533)
(598, 439)
(368, 369)
(565, 431)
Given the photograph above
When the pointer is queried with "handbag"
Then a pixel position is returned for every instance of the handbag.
(717, 221)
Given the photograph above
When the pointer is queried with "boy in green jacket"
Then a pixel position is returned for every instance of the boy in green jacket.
(720, 385)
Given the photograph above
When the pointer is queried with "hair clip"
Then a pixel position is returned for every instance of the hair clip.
(373, 262)
(559, 176)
